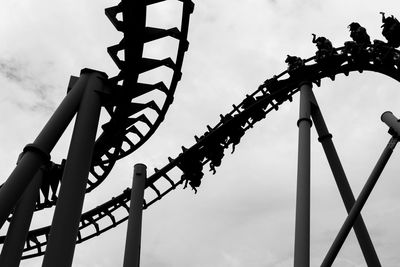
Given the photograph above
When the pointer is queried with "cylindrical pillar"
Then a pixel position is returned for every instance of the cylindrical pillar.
(38, 153)
(20, 222)
(343, 185)
(302, 228)
(133, 235)
(390, 120)
(359, 204)
(64, 229)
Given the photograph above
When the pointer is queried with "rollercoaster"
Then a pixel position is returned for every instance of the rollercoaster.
(132, 122)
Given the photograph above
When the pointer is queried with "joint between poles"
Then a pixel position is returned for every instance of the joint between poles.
(37, 150)
(360, 229)
(324, 137)
(304, 119)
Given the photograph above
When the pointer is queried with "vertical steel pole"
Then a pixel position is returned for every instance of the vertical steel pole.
(133, 235)
(343, 185)
(38, 153)
(359, 204)
(19, 226)
(302, 228)
(64, 229)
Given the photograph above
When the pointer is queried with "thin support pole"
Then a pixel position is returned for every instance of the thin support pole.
(302, 228)
(133, 235)
(343, 185)
(38, 153)
(20, 222)
(359, 204)
(64, 229)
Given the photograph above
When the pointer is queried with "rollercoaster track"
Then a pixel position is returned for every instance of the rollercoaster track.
(227, 133)
(130, 124)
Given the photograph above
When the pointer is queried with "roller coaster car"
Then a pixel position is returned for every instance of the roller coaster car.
(233, 131)
(383, 54)
(273, 86)
(355, 53)
(326, 54)
(326, 57)
(214, 151)
(295, 65)
(194, 181)
(391, 30)
(359, 34)
(235, 135)
(192, 168)
(257, 114)
(322, 42)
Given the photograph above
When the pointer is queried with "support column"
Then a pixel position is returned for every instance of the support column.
(343, 185)
(359, 204)
(20, 222)
(302, 228)
(133, 235)
(38, 153)
(64, 229)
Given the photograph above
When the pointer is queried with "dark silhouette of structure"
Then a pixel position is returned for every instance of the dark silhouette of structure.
(34, 183)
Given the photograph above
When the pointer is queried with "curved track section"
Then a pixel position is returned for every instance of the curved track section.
(210, 148)
(132, 119)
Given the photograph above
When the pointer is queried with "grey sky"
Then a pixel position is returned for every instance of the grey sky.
(243, 215)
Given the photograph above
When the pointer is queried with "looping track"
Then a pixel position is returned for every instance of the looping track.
(269, 96)
(132, 120)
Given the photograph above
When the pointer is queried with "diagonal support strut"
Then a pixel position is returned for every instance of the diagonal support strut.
(394, 129)
(359, 204)
(342, 183)
(309, 109)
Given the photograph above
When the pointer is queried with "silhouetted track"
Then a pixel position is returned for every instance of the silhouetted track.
(132, 119)
(188, 166)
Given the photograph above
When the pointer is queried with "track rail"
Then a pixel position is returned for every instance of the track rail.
(210, 147)
(132, 120)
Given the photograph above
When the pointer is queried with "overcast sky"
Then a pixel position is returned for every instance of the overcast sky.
(243, 215)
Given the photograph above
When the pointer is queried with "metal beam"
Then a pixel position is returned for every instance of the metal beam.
(302, 228)
(20, 222)
(133, 235)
